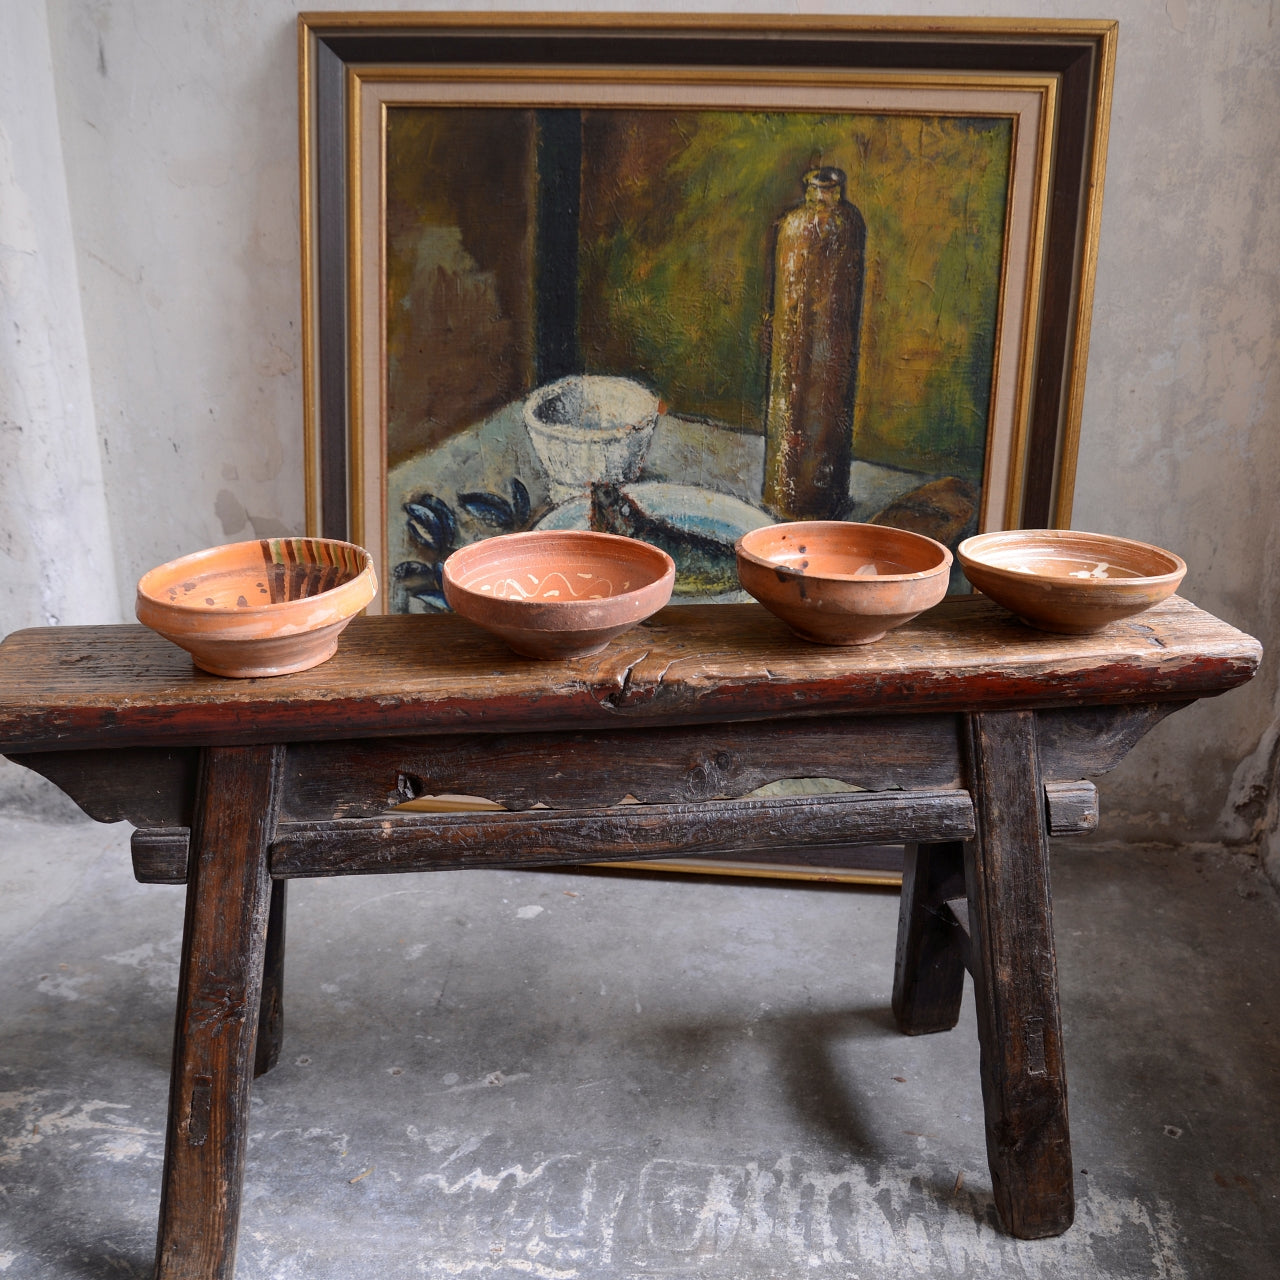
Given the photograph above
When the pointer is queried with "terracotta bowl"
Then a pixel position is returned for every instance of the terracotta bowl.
(833, 582)
(558, 593)
(1068, 582)
(258, 608)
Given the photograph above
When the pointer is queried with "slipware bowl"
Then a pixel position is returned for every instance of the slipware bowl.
(260, 608)
(834, 582)
(558, 593)
(1068, 582)
(589, 429)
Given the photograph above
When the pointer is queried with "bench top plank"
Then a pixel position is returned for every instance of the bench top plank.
(105, 686)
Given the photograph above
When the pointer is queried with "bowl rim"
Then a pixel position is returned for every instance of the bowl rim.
(761, 562)
(1064, 537)
(576, 431)
(146, 595)
(630, 545)
(577, 434)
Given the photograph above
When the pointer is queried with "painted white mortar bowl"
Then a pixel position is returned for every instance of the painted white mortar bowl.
(590, 428)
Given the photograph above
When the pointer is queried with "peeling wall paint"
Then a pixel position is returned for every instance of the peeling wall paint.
(56, 561)
(1179, 445)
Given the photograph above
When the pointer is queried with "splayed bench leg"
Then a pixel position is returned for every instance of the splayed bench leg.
(1015, 978)
(219, 996)
(928, 976)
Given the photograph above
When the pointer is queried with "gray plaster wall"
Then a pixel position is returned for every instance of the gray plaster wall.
(154, 143)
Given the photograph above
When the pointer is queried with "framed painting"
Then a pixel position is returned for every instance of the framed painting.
(560, 272)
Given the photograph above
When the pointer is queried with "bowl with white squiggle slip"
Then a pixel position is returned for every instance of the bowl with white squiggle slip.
(558, 593)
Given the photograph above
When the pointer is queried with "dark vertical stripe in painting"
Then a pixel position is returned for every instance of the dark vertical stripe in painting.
(559, 159)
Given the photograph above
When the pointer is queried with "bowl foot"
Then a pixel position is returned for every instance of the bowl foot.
(841, 642)
(241, 671)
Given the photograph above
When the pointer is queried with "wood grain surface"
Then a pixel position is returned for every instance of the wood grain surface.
(598, 767)
(66, 687)
(160, 853)
(219, 993)
(437, 842)
(929, 964)
(1015, 980)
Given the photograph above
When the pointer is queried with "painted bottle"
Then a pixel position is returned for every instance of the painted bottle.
(819, 267)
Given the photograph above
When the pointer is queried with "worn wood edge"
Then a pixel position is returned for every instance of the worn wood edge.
(930, 955)
(1082, 742)
(194, 724)
(220, 983)
(630, 833)
(154, 787)
(160, 855)
(60, 687)
(549, 837)
(146, 786)
(1071, 808)
(596, 768)
(1012, 960)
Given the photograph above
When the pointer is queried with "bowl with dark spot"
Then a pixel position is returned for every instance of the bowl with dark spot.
(261, 608)
(835, 582)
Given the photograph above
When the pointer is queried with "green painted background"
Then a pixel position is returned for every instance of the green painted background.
(677, 229)
(678, 211)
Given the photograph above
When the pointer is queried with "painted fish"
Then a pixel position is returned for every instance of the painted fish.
(705, 566)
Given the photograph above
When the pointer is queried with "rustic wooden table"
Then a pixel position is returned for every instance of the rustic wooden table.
(969, 733)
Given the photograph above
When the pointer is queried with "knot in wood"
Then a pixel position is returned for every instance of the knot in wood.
(218, 1004)
(709, 775)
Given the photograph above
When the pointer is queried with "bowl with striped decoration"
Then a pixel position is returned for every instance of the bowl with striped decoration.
(262, 608)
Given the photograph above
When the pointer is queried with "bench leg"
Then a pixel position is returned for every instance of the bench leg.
(1015, 979)
(271, 1011)
(928, 975)
(219, 992)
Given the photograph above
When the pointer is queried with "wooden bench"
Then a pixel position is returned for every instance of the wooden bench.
(970, 735)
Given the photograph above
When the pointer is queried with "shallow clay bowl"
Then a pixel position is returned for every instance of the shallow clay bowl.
(259, 608)
(833, 582)
(558, 593)
(1068, 582)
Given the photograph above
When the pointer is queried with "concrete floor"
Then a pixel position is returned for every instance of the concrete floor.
(578, 1077)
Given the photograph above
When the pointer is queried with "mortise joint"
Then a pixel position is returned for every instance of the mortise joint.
(408, 787)
(1033, 1038)
(199, 1111)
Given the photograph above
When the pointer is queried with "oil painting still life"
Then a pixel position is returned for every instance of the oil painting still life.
(684, 325)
